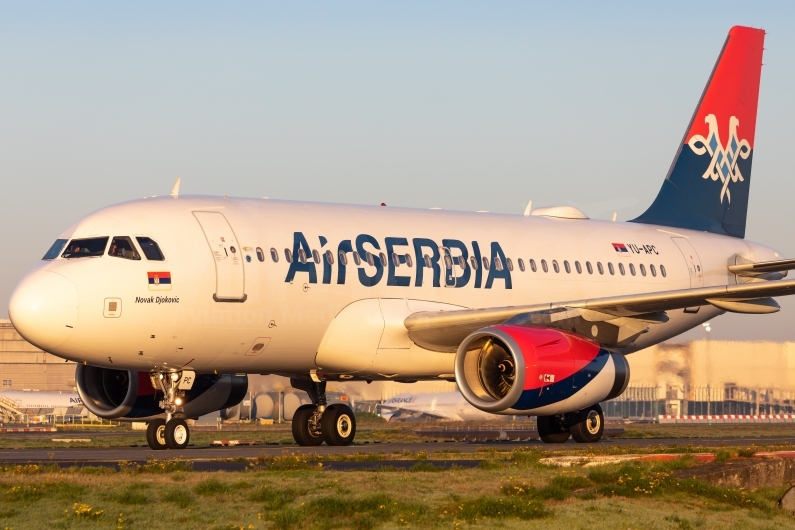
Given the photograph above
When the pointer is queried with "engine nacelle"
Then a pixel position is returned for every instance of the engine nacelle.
(129, 396)
(524, 370)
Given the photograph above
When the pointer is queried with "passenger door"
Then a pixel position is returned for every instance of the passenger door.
(229, 273)
(692, 260)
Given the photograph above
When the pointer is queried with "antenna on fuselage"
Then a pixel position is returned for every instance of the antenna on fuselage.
(175, 189)
(529, 207)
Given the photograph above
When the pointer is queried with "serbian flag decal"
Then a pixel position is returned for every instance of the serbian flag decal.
(159, 281)
(620, 247)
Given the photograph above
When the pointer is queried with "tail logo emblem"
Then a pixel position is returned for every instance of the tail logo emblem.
(724, 159)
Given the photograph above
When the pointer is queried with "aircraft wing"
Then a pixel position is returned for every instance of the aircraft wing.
(628, 314)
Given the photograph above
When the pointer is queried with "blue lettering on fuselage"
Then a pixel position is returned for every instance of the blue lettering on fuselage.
(448, 264)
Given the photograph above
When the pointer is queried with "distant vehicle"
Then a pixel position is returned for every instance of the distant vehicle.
(163, 302)
(441, 406)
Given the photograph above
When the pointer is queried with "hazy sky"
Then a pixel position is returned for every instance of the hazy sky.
(460, 105)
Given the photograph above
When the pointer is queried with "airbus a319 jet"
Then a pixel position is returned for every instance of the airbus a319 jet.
(166, 303)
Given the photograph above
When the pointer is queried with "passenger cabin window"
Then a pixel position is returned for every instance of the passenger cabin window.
(589, 267)
(85, 248)
(55, 249)
(383, 259)
(653, 270)
(288, 256)
(662, 270)
(566, 266)
(509, 262)
(260, 255)
(316, 256)
(427, 260)
(370, 260)
(632, 269)
(396, 259)
(485, 263)
(150, 248)
(611, 269)
(533, 265)
(621, 269)
(497, 263)
(642, 269)
(343, 257)
(409, 261)
(520, 261)
(599, 267)
(122, 247)
(274, 255)
(555, 265)
(474, 263)
(357, 259)
(544, 265)
(301, 255)
(329, 257)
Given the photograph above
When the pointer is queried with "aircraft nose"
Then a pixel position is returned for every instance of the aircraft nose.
(43, 308)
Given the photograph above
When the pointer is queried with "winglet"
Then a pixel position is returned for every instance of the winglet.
(175, 189)
(529, 207)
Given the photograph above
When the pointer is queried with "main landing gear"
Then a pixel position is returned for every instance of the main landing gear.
(172, 432)
(317, 423)
(585, 426)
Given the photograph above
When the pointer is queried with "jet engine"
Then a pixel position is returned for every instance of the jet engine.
(525, 370)
(129, 395)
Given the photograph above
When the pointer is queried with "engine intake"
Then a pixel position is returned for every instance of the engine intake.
(129, 395)
(507, 369)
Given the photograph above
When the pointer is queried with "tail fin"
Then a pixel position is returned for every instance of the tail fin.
(708, 183)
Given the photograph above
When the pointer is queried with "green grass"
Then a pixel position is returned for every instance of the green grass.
(514, 491)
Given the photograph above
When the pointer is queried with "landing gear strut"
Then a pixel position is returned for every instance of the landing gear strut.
(173, 432)
(313, 424)
(585, 426)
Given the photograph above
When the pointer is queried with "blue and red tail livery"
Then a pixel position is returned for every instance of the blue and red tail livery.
(708, 183)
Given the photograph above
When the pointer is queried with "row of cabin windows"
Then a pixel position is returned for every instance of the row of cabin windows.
(449, 261)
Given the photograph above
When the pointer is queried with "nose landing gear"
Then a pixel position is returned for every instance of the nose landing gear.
(172, 432)
(313, 424)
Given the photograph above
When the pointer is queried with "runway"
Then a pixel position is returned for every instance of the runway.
(219, 458)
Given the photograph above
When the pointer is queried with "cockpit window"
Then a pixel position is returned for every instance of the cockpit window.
(55, 249)
(150, 248)
(85, 248)
(122, 247)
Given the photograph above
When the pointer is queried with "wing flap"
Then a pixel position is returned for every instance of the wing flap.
(444, 330)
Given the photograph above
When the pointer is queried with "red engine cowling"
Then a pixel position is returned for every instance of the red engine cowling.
(508, 369)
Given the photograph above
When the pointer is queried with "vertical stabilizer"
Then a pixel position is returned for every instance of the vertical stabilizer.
(708, 184)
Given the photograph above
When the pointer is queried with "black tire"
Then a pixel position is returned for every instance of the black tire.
(588, 425)
(302, 435)
(552, 430)
(338, 425)
(177, 434)
(156, 434)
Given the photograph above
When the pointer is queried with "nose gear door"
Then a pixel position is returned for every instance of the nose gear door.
(692, 260)
(229, 274)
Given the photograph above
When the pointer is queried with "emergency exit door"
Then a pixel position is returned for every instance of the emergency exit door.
(692, 260)
(230, 284)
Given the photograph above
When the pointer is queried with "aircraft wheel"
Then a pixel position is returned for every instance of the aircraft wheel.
(552, 429)
(156, 434)
(305, 434)
(338, 424)
(588, 425)
(177, 434)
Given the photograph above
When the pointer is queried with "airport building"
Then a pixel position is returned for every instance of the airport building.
(25, 367)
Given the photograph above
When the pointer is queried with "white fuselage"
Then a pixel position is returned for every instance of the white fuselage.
(281, 325)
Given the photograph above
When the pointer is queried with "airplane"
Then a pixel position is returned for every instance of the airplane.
(18, 403)
(167, 302)
(441, 406)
